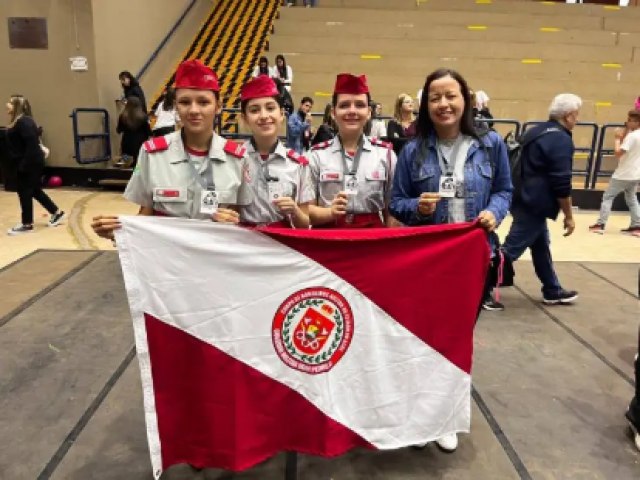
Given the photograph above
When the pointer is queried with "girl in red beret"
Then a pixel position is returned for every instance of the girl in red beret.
(353, 173)
(193, 172)
(277, 177)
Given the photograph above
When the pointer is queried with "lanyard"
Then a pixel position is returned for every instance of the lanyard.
(264, 164)
(205, 184)
(356, 158)
(447, 168)
(197, 176)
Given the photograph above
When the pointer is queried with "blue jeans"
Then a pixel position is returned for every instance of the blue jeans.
(530, 231)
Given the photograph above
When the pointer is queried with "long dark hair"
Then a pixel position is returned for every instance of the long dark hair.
(425, 126)
(133, 116)
(169, 100)
(263, 70)
(282, 71)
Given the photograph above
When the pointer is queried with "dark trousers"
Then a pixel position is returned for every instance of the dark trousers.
(29, 187)
(530, 231)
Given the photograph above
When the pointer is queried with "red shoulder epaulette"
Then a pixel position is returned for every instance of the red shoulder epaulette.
(381, 143)
(234, 149)
(321, 145)
(296, 157)
(156, 144)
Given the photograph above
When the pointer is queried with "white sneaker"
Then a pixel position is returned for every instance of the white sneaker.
(20, 228)
(448, 443)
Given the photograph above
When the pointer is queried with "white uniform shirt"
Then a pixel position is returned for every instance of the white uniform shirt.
(629, 165)
(165, 180)
(374, 174)
(292, 173)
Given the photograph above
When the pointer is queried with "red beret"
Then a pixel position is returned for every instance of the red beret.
(194, 74)
(347, 83)
(259, 87)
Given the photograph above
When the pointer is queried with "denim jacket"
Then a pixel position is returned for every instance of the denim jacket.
(487, 181)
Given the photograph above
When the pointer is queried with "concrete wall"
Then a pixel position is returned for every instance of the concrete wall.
(124, 41)
(45, 76)
(114, 35)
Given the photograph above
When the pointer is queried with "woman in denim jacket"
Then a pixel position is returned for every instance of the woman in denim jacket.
(450, 173)
(446, 129)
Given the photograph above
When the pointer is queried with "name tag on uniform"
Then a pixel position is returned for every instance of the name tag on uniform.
(447, 186)
(331, 176)
(209, 202)
(275, 191)
(170, 195)
(350, 185)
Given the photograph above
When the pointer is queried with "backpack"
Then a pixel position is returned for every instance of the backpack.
(515, 151)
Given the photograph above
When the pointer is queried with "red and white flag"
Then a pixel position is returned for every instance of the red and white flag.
(252, 342)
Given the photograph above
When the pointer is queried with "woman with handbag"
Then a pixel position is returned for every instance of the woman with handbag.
(449, 173)
(24, 147)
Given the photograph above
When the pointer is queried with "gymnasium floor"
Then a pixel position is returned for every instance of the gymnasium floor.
(550, 383)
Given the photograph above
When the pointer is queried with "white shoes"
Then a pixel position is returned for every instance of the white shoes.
(449, 443)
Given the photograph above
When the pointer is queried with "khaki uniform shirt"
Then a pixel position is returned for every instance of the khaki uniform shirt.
(374, 175)
(165, 181)
(286, 168)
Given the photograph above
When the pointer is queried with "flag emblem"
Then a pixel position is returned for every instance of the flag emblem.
(312, 329)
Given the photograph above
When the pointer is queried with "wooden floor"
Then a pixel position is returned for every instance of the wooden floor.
(551, 384)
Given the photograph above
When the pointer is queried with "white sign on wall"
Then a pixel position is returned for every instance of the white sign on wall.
(79, 64)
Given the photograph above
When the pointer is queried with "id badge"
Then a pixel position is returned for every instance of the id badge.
(350, 185)
(209, 201)
(447, 186)
(275, 191)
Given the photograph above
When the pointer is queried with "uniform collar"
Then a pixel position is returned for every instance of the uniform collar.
(336, 146)
(280, 150)
(216, 149)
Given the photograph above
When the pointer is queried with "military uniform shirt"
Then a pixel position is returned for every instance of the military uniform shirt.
(374, 175)
(289, 168)
(165, 181)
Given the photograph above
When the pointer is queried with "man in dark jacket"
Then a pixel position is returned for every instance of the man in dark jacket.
(546, 189)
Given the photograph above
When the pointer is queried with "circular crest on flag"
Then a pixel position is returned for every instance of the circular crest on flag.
(312, 329)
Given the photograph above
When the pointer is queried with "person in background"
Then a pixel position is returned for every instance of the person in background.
(262, 68)
(131, 88)
(167, 119)
(285, 97)
(283, 72)
(179, 174)
(24, 148)
(352, 173)
(626, 176)
(481, 108)
(277, 178)
(299, 126)
(449, 173)
(378, 127)
(327, 130)
(403, 124)
(133, 124)
(547, 164)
